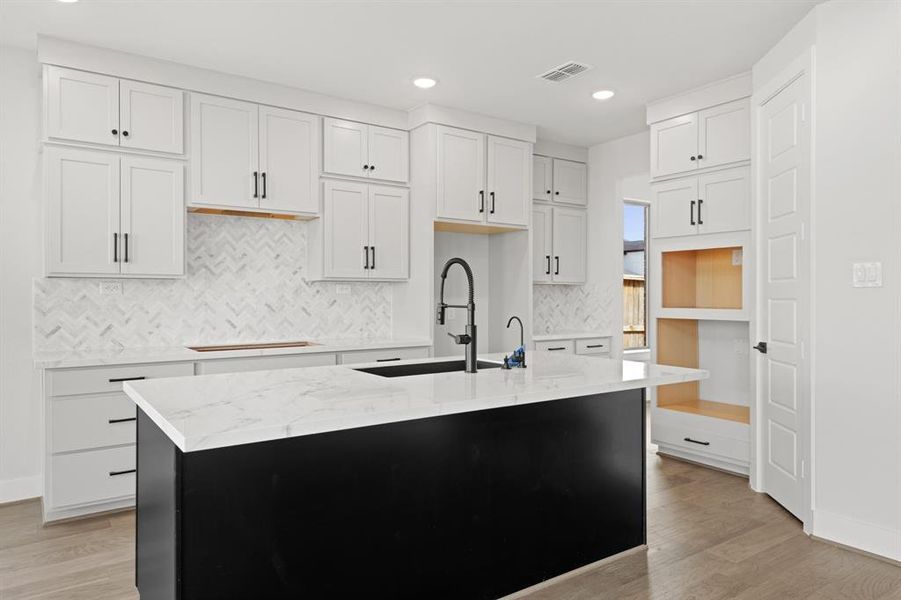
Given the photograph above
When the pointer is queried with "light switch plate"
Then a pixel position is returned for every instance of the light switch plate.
(866, 274)
(110, 288)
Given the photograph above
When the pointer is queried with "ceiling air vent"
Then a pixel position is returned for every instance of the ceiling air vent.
(565, 71)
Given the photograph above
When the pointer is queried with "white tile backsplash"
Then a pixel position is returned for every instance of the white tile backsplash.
(559, 308)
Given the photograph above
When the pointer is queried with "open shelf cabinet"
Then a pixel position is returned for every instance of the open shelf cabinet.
(707, 278)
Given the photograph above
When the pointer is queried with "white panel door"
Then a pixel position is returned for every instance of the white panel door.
(224, 152)
(542, 178)
(570, 182)
(724, 134)
(674, 207)
(389, 232)
(289, 160)
(674, 145)
(724, 201)
(153, 216)
(784, 305)
(570, 245)
(461, 174)
(509, 181)
(389, 154)
(82, 202)
(542, 251)
(345, 230)
(151, 117)
(345, 147)
(82, 106)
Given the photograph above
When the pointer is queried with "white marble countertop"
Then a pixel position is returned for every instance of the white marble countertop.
(215, 411)
(127, 356)
(568, 335)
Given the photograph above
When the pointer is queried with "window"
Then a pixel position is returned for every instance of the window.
(635, 293)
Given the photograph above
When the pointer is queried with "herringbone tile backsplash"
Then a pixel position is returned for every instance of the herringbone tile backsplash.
(557, 308)
(245, 282)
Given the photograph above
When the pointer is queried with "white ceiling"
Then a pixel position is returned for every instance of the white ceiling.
(484, 54)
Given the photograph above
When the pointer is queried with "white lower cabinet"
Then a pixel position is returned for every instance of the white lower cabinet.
(264, 363)
(599, 346)
(383, 355)
(84, 478)
(562, 346)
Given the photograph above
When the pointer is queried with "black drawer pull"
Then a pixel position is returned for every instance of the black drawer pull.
(595, 346)
(113, 421)
(121, 379)
(126, 472)
(387, 359)
(697, 442)
(557, 348)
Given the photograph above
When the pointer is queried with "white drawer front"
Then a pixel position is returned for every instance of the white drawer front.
(109, 379)
(83, 422)
(564, 346)
(264, 363)
(593, 346)
(84, 477)
(700, 441)
(386, 355)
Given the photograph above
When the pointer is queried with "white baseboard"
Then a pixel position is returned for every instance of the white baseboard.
(13, 490)
(857, 534)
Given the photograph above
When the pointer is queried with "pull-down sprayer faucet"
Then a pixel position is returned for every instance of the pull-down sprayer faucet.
(469, 338)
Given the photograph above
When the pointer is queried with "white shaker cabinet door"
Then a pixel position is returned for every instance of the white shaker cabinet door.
(724, 201)
(153, 217)
(389, 154)
(509, 190)
(674, 207)
(542, 178)
(570, 245)
(542, 235)
(151, 117)
(82, 106)
(346, 230)
(82, 203)
(724, 134)
(674, 145)
(224, 152)
(345, 147)
(289, 160)
(461, 175)
(389, 232)
(570, 182)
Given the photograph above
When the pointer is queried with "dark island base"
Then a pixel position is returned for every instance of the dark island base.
(466, 506)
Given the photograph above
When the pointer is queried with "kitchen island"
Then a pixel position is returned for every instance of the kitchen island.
(334, 482)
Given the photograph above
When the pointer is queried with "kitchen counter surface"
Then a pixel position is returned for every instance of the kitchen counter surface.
(215, 411)
(126, 356)
(567, 335)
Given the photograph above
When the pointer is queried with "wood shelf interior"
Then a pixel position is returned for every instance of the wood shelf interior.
(678, 345)
(702, 278)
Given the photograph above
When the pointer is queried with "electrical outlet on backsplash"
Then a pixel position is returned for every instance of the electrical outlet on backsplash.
(245, 282)
(558, 308)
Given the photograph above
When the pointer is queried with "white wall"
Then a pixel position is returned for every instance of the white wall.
(20, 262)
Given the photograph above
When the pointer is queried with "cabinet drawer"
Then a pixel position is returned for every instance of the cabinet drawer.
(704, 442)
(83, 422)
(109, 379)
(92, 476)
(386, 355)
(593, 346)
(264, 363)
(565, 346)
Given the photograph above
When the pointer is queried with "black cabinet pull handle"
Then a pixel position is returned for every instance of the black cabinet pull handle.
(492, 202)
(700, 156)
(115, 247)
(372, 167)
(121, 379)
(365, 167)
(366, 256)
(693, 213)
(264, 184)
(126, 247)
(115, 132)
(688, 439)
(549, 192)
(700, 203)
(557, 193)
(125, 133)
(129, 419)
(548, 257)
(256, 193)
(373, 257)
(594, 346)
(481, 201)
(556, 348)
(693, 158)
(126, 472)
(387, 359)
(557, 268)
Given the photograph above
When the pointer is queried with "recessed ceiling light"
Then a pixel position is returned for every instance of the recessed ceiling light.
(424, 82)
(602, 95)
(68, 1)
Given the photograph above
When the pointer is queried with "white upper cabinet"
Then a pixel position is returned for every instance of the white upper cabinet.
(97, 109)
(674, 205)
(152, 216)
(110, 214)
(509, 185)
(542, 178)
(360, 150)
(724, 201)
(389, 232)
(708, 138)
(224, 152)
(289, 160)
(461, 174)
(151, 117)
(542, 250)
(570, 231)
(570, 182)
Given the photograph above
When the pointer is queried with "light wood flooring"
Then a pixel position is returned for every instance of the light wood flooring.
(709, 537)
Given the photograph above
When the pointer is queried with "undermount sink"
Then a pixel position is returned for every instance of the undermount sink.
(446, 366)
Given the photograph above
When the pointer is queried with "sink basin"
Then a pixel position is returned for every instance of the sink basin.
(446, 366)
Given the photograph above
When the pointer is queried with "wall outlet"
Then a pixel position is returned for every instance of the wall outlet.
(110, 288)
(342, 290)
(866, 274)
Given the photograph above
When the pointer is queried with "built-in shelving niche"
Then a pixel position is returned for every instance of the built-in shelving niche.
(721, 347)
(708, 278)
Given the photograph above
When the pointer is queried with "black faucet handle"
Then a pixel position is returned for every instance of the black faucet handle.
(461, 339)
